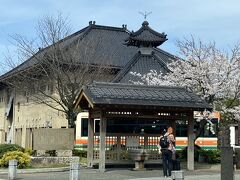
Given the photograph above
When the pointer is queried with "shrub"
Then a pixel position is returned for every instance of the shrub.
(211, 156)
(80, 153)
(9, 147)
(196, 149)
(29, 151)
(22, 158)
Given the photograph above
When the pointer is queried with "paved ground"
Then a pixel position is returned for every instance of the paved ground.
(204, 172)
(120, 174)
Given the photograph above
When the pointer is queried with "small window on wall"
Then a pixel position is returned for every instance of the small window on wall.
(1, 99)
(84, 127)
(5, 136)
(18, 105)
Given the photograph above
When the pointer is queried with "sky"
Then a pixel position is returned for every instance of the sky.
(209, 20)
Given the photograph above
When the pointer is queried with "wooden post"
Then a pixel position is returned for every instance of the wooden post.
(118, 147)
(190, 150)
(90, 142)
(145, 141)
(103, 125)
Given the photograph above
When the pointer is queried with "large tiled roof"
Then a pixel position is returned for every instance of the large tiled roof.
(139, 95)
(101, 45)
(34, 60)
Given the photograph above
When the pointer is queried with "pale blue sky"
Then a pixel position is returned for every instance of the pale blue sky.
(209, 20)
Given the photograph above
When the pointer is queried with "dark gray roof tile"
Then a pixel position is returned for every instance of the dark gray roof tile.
(98, 45)
(129, 94)
(140, 64)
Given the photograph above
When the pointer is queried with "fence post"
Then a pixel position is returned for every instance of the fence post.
(12, 169)
(74, 171)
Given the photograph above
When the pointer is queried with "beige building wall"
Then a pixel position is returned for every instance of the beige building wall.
(3, 123)
(29, 115)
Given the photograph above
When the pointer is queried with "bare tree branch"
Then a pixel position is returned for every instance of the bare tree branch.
(64, 64)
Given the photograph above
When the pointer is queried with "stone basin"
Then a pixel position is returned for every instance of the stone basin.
(139, 156)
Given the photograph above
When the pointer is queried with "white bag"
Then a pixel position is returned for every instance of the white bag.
(159, 149)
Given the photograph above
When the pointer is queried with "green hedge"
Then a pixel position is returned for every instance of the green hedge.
(9, 147)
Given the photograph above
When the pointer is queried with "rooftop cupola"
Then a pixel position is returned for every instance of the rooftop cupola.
(146, 37)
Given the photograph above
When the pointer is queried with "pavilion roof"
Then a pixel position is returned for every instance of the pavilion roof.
(141, 95)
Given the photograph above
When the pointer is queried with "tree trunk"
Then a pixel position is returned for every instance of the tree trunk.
(200, 129)
(71, 117)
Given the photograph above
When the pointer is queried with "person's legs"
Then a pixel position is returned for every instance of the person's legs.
(170, 165)
(165, 163)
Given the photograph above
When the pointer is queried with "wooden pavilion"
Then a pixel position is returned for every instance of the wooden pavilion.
(127, 101)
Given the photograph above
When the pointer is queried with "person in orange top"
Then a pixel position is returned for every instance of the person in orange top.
(167, 152)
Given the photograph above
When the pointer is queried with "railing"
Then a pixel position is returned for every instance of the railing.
(117, 146)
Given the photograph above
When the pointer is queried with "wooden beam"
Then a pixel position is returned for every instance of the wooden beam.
(103, 127)
(145, 116)
(96, 114)
(190, 149)
(142, 107)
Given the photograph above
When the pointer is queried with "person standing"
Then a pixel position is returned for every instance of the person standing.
(167, 143)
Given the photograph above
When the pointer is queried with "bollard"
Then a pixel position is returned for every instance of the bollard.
(177, 175)
(12, 169)
(74, 171)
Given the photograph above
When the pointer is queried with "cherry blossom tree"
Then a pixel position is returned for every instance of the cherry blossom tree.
(209, 72)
